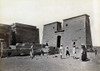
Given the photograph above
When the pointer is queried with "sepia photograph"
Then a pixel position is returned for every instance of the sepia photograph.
(49, 35)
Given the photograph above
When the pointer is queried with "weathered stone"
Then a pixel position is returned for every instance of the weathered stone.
(5, 32)
(76, 31)
(25, 33)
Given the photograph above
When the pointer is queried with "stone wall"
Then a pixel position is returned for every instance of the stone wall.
(49, 33)
(74, 31)
(25, 33)
(88, 33)
(5, 33)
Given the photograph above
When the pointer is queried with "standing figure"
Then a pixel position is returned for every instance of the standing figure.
(32, 51)
(74, 52)
(67, 51)
(84, 53)
(47, 49)
(95, 52)
(61, 51)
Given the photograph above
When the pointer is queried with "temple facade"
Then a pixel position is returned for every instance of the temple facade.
(73, 31)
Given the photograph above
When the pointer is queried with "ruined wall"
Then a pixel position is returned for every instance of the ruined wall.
(5, 34)
(25, 33)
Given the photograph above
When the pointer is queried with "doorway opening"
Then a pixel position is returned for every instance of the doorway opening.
(58, 41)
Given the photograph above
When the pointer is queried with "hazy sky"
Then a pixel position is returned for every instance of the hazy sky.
(40, 12)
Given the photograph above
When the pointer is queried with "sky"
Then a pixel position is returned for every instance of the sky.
(40, 12)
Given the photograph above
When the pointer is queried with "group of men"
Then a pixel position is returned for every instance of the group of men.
(83, 52)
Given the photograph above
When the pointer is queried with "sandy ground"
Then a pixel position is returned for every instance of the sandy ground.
(50, 63)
